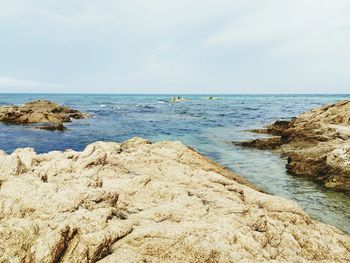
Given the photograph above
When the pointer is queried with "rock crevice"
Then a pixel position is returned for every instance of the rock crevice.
(148, 202)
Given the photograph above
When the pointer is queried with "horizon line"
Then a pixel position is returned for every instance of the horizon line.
(151, 93)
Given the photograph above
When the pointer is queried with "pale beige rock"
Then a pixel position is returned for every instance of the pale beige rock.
(46, 112)
(317, 144)
(143, 202)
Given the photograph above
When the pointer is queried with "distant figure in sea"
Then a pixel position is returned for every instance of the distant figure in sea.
(178, 99)
(213, 98)
(174, 99)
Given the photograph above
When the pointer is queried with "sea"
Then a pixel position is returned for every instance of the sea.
(209, 126)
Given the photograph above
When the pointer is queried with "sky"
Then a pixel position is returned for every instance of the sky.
(177, 46)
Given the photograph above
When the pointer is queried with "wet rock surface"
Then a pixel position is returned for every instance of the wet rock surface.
(316, 143)
(50, 114)
(144, 202)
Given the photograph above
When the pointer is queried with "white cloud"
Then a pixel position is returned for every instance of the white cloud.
(331, 42)
(158, 71)
(12, 84)
(274, 22)
(206, 45)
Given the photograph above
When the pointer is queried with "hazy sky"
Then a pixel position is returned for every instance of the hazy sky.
(180, 46)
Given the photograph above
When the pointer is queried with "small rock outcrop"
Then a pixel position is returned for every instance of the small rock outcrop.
(50, 114)
(144, 202)
(316, 143)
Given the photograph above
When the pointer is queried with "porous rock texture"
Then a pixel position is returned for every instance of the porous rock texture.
(316, 143)
(144, 202)
(45, 112)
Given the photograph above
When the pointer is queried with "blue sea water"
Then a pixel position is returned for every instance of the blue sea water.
(207, 125)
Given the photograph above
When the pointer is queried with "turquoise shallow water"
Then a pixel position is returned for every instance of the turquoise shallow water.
(208, 126)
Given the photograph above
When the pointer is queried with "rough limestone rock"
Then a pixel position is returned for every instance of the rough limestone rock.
(317, 144)
(143, 202)
(41, 111)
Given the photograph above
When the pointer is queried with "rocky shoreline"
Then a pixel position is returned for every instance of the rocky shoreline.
(148, 202)
(316, 144)
(49, 115)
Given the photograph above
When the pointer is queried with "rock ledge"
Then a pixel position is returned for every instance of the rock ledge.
(316, 143)
(144, 202)
(48, 113)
